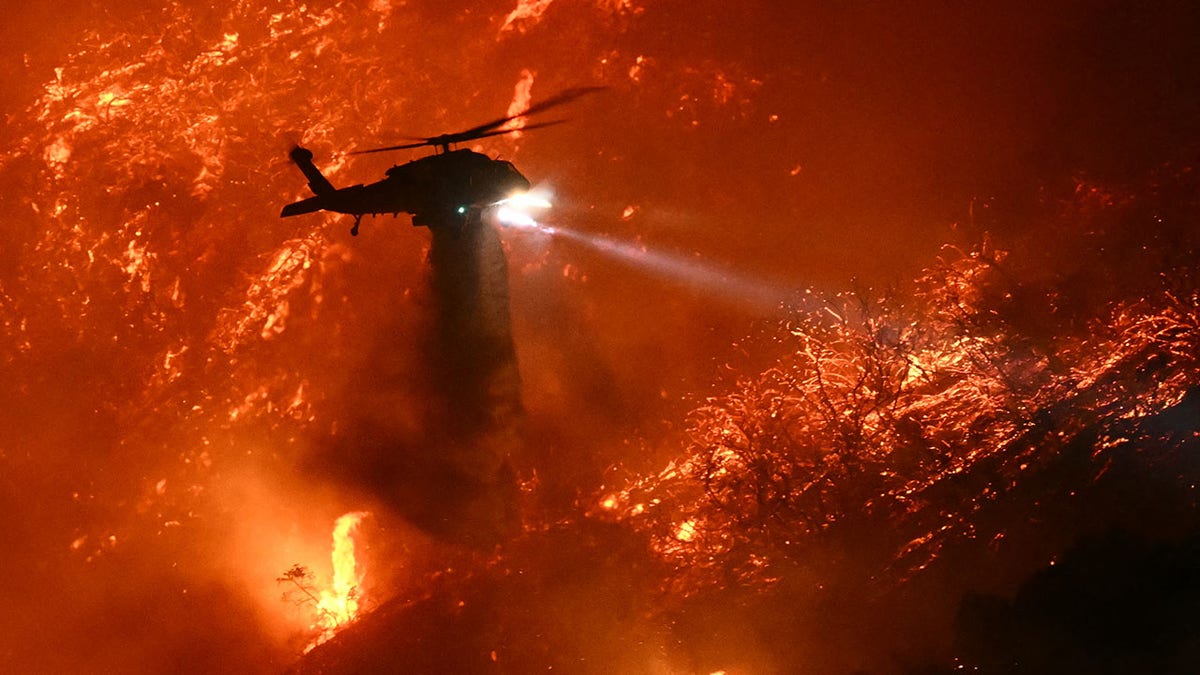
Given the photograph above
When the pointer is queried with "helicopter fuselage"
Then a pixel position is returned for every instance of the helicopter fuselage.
(445, 188)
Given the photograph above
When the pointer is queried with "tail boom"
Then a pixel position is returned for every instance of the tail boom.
(318, 183)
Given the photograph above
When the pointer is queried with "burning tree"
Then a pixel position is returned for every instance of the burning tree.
(340, 604)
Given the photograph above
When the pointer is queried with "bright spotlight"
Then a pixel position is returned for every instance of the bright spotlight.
(519, 209)
(514, 217)
(529, 200)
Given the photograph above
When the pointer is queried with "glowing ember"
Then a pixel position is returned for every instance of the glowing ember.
(686, 531)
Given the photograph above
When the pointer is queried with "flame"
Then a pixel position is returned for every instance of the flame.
(686, 531)
(522, 95)
(340, 605)
(527, 11)
(148, 273)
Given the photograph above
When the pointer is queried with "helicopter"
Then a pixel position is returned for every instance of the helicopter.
(446, 189)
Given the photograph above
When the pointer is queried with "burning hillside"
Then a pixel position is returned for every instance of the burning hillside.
(899, 453)
(201, 401)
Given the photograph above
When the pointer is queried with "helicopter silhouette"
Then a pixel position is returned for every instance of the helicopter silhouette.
(447, 189)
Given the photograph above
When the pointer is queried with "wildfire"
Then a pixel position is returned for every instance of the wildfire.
(522, 94)
(527, 11)
(176, 357)
(340, 605)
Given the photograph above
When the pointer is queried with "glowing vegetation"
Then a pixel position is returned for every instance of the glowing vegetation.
(881, 414)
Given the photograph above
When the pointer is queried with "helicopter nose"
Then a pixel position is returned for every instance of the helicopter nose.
(517, 182)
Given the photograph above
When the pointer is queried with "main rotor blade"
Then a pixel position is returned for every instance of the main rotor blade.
(527, 127)
(491, 128)
(557, 100)
(404, 146)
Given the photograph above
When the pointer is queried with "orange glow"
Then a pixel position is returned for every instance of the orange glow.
(195, 387)
(341, 603)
